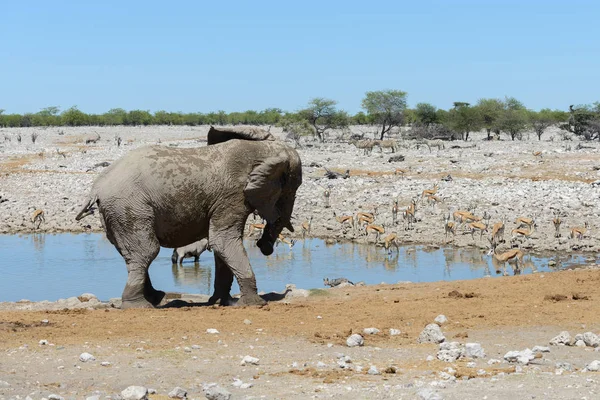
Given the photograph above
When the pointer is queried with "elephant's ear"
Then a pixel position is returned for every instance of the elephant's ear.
(264, 186)
(237, 132)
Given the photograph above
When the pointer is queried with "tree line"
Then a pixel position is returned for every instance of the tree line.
(384, 110)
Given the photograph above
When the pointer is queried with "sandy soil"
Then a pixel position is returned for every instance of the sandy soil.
(166, 348)
(299, 340)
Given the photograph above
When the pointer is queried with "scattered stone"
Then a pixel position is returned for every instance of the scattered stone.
(105, 364)
(216, 392)
(474, 350)
(55, 397)
(541, 349)
(431, 334)
(94, 397)
(440, 319)
(450, 351)
(4, 384)
(212, 331)
(591, 339)
(355, 340)
(430, 358)
(562, 339)
(85, 357)
(493, 361)
(428, 394)
(579, 343)
(87, 297)
(395, 332)
(247, 322)
(321, 364)
(565, 366)
(370, 331)
(45, 322)
(471, 364)
(594, 366)
(178, 393)
(522, 357)
(373, 371)
(43, 342)
(249, 360)
(135, 393)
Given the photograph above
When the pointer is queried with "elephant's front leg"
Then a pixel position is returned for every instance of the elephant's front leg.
(229, 249)
(223, 281)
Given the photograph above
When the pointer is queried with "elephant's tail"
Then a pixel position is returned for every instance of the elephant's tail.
(88, 208)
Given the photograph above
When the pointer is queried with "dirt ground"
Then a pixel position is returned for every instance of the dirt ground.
(298, 342)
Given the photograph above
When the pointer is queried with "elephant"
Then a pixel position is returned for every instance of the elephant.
(191, 250)
(167, 196)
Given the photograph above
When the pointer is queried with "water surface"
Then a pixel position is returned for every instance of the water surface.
(52, 266)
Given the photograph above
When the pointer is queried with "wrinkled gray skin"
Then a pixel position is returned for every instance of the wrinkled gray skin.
(162, 196)
(191, 250)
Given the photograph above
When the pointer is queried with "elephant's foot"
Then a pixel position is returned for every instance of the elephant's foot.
(223, 300)
(154, 296)
(137, 303)
(250, 300)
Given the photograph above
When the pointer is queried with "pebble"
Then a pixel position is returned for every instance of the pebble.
(373, 371)
(43, 342)
(55, 397)
(440, 319)
(105, 364)
(178, 393)
(541, 349)
(135, 393)
(85, 357)
(395, 332)
(562, 339)
(474, 350)
(215, 392)
(522, 357)
(355, 340)
(249, 360)
(247, 322)
(594, 366)
(450, 351)
(431, 334)
(370, 331)
(428, 394)
(212, 331)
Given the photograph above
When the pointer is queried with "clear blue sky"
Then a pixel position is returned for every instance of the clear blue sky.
(205, 56)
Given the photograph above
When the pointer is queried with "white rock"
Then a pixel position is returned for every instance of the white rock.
(431, 334)
(395, 332)
(247, 322)
(562, 339)
(212, 331)
(370, 331)
(55, 397)
(440, 319)
(105, 364)
(373, 371)
(594, 366)
(43, 342)
(85, 357)
(94, 397)
(216, 392)
(474, 350)
(471, 364)
(246, 385)
(493, 361)
(135, 393)
(428, 394)
(522, 357)
(249, 360)
(321, 364)
(178, 393)
(355, 340)
(430, 358)
(541, 349)
(450, 351)
(4, 384)
(591, 339)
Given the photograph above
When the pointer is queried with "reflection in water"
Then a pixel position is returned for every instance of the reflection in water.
(64, 265)
(193, 275)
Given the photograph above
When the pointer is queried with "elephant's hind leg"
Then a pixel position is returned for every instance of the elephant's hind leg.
(139, 247)
(223, 282)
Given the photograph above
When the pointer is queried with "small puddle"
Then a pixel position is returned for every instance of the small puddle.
(52, 266)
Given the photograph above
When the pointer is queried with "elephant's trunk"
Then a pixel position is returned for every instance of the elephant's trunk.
(267, 240)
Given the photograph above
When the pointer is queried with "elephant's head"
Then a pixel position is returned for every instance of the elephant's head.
(271, 190)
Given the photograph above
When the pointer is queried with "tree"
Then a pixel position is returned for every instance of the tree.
(74, 117)
(426, 113)
(513, 119)
(584, 121)
(542, 120)
(322, 115)
(490, 111)
(138, 117)
(386, 107)
(464, 119)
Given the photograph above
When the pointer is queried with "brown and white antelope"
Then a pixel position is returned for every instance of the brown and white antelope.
(556, 221)
(579, 231)
(38, 216)
(522, 221)
(478, 226)
(256, 227)
(522, 233)
(428, 192)
(389, 240)
(344, 219)
(498, 231)
(283, 239)
(500, 259)
(306, 225)
(409, 214)
(395, 212)
(377, 229)
(449, 227)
